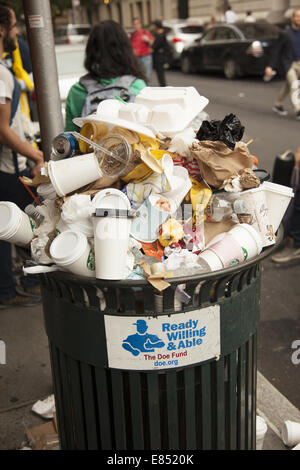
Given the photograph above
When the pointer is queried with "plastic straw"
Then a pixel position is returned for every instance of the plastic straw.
(30, 192)
(98, 147)
(120, 99)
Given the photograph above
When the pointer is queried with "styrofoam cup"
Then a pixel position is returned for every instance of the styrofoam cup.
(290, 433)
(248, 238)
(278, 198)
(15, 226)
(72, 251)
(256, 204)
(261, 429)
(70, 174)
(111, 235)
(181, 184)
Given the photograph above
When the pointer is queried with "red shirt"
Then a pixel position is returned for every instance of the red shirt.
(141, 47)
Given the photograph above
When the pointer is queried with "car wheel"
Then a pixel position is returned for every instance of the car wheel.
(231, 69)
(186, 66)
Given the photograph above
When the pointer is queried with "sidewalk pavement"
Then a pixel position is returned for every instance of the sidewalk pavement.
(26, 378)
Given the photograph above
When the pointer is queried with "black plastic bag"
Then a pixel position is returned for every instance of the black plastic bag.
(229, 131)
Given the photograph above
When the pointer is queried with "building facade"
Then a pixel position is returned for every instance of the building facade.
(124, 11)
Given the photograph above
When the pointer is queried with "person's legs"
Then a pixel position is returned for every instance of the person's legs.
(160, 72)
(283, 93)
(146, 64)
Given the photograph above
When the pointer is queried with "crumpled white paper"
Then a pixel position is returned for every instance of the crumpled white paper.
(182, 142)
(76, 212)
(45, 408)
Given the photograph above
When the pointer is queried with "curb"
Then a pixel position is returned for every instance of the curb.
(274, 407)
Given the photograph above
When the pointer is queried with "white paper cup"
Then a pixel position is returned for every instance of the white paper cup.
(278, 198)
(290, 433)
(248, 238)
(227, 249)
(70, 174)
(261, 429)
(111, 235)
(211, 259)
(181, 184)
(72, 251)
(15, 226)
(256, 204)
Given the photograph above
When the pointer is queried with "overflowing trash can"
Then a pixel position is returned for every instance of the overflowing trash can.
(194, 389)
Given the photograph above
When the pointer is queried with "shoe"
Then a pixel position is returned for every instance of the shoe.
(279, 110)
(298, 116)
(29, 291)
(287, 255)
(19, 301)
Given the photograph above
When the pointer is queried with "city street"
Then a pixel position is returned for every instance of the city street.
(251, 100)
(26, 377)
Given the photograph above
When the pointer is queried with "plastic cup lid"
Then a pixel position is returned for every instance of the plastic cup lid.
(278, 188)
(68, 247)
(111, 198)
(10, 217)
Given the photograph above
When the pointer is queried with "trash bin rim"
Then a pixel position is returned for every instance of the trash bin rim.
(63, 275)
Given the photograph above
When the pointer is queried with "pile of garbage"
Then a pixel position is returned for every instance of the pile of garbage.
(148, 190)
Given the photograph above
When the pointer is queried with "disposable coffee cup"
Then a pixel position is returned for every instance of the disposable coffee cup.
(70, 174)
(227, 249)
(181, 184)
(257, 206)
(111, 234)
(248, 238)
(213, 261)
(290, 433)
(278, 198)
(261, 429)
(15, 226)
(72, 251)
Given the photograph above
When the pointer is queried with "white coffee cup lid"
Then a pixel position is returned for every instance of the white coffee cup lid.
(68, 247)
(111, 198)
(10, 218)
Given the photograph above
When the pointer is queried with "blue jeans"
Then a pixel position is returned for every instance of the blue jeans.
(146, 64)
(11, 189)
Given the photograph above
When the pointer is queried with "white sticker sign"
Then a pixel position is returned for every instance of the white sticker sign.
(36, 21)
(163, 342)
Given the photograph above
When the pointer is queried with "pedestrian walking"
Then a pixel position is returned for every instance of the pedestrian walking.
(291, 251)
(161, 52)
(141, 40)
(15, 151)
(110, 62)
(285, 59)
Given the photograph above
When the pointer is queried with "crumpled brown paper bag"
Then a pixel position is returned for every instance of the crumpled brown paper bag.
(218, 163)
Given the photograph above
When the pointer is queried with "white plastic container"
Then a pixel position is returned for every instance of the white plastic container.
(172, 108)
(70, 174)
(278, 198)
(46, 191)
(291, 433)
(72, 251)
(261, 429)
(15, 226)
(111, 235)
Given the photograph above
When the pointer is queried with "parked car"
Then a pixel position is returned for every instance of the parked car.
(236, 49)
(72, 34)
(179, 34)
(70, 67)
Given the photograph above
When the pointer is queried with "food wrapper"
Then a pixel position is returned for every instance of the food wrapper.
(200, 196)
(137, 193)
(171, 232)
(218, 163)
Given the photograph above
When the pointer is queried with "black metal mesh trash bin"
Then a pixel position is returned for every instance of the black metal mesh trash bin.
(205, 404)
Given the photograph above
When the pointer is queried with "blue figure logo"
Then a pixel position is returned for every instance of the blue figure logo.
(141, 341)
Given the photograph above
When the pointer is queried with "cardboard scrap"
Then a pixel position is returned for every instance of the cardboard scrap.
(156, 280)
(36, 181)
(44, 437)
